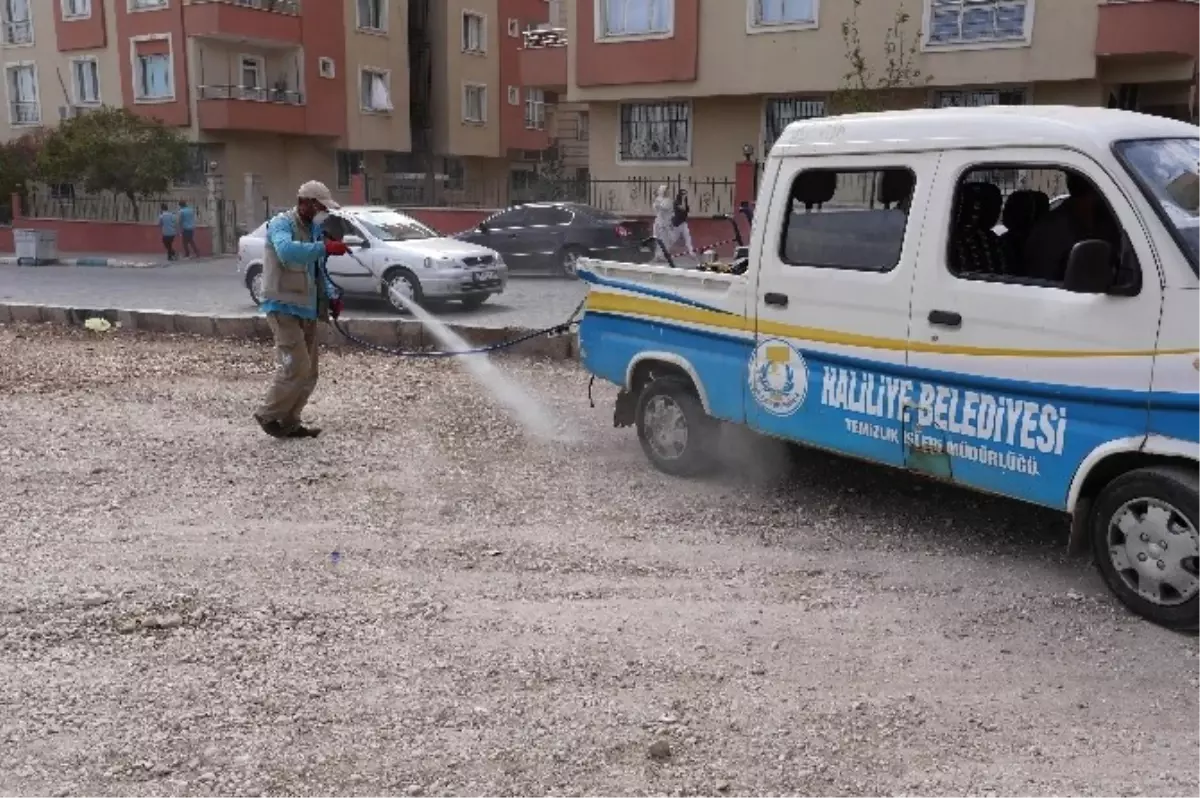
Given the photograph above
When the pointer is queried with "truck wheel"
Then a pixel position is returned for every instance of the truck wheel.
(1144, 536)
(675, 432)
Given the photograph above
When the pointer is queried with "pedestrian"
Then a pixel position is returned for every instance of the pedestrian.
(679, 221)
(167, 224)
(664, 231)
(187, 226)
(297, 293)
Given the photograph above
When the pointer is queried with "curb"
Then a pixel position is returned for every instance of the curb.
(98, 262)
(383, 332)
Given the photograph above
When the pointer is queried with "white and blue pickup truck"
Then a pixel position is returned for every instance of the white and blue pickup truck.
(912, 298)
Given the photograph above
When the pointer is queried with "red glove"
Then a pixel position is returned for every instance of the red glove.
(335, 307)
(335, 247)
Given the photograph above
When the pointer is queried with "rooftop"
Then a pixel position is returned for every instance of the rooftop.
(993, 126)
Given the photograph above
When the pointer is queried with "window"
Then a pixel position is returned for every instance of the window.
(474, 33)
(1165, 170)
(375, 88)
(783, 13)
(584, 126)
(143, 5)
(153, 79)
(779, 112)
(848, 219)
(349, 162)
(24, 105)
(1016, 222)
(978, 98)
(76, 9)
(655, 132)
(475, 103)
(515, 217)
(547, 215)
(514, 95)
(953, 22)
(372, 15)
(615, 18)
(198, 157)
(85, 79)
(535, 109)
(252, 79)
(18, 25)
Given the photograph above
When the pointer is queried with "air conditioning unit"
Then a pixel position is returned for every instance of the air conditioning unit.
(325, 67)
(514, 95)
(514, 28)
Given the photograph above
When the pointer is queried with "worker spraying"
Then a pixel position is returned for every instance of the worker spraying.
(297, 293)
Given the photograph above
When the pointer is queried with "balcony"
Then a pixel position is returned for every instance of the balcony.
(262, 21)
(18, 31)
(251, 109)
(1164, 28)
(543, 59)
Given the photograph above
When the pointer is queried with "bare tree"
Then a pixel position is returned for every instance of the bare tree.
(866, 87)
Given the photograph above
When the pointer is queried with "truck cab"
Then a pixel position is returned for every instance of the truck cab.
(911, 298)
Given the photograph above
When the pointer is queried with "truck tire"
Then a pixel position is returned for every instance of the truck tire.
(1144, 537)
(676, 434)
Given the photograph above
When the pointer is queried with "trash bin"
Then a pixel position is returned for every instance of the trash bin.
(36, 247)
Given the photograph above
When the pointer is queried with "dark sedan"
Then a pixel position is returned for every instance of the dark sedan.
(551, 237)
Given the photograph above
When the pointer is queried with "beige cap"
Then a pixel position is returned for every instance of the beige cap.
(318, 191)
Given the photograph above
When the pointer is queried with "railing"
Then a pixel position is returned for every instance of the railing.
(25, 113)
(260, 94)
(42, 204)
(291, 7)
(18, 32)
(706, 196)
(545, 37)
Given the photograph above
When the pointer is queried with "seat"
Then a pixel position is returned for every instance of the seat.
(1022, 211)
(974, 246)
(896, 188)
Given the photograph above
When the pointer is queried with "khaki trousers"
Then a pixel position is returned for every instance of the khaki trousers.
(296, 373)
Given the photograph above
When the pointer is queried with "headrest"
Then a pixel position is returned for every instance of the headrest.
(815, 187)
(978, 206)
(895, 186)
(1024, 207)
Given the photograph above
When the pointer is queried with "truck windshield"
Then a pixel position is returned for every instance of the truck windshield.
(1166, 171)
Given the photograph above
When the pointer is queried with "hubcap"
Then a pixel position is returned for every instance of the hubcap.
(400, 285)
(666, 428)
(256, 288)
(1155, 550)
(570, 262)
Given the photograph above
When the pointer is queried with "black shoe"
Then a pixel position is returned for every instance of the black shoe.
(301, 431)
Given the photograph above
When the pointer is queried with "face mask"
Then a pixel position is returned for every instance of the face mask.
(319, 217)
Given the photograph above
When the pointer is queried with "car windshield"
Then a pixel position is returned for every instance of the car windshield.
(392, 226)
(1166, 171)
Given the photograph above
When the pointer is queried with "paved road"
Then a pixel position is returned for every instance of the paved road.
(215, 287)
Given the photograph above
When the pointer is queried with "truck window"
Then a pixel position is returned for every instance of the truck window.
(847, 219)
(1018, 223)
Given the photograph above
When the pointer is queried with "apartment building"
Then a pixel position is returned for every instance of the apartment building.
(684, 87)
(275, 92)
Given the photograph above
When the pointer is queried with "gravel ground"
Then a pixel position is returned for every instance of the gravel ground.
(215, 287)
(426, 601)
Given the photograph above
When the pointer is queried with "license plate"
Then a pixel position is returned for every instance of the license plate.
(485, 276)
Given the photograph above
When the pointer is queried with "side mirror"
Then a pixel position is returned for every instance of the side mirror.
(483, 227)
(354, 241)
(1090, 268)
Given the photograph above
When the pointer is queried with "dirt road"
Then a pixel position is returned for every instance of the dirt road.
(424, 601)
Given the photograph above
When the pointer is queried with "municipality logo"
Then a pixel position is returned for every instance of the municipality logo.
(778, 377)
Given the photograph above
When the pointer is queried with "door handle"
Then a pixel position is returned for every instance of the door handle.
(776, 299)
(945, 318)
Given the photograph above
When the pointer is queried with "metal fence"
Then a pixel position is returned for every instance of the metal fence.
(706, 196)
(106, 208)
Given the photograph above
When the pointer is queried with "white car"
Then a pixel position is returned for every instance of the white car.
(392, 251)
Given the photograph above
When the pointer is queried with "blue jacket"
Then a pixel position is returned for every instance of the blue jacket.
(310, 254)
